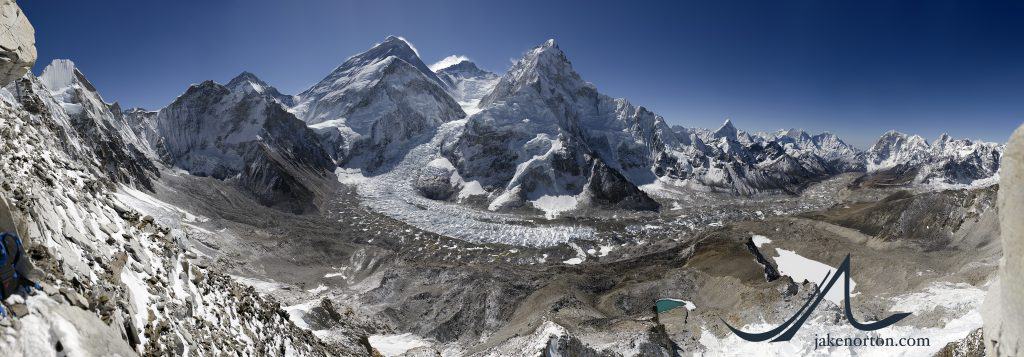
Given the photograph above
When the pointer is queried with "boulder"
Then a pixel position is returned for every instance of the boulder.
(17, 42)
(1004, 305)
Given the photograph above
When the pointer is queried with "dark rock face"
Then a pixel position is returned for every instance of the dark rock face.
(770, 272)
(900, 175)
(609, 187)
(122, 161)
(277, 183)
(243, 133)
(434, 183)
(95, 125)
(567, 345)
(972, 345)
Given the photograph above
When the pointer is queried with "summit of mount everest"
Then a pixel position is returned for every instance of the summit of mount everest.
(398, 209)
(368, 110)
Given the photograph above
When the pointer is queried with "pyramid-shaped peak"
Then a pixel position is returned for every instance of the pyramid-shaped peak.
(550, 47)
(549, 58)
(727, 130)
(396, 39)
(248, 82)
(544, 66)
(398, 43)
(393, 46)
(245, 77)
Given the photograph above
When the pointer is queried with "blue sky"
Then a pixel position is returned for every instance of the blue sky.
(856, 68)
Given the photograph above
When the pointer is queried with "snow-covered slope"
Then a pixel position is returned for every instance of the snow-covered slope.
(945, 161)
(369, 109)
(467, 84)
(142, 123)
(114, 282)
(242, 132)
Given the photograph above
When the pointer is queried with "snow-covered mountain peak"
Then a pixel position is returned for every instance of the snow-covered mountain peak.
(464, 68)
(943, 138)
(246, 135)
(393, 46)
(544, 71)
(247, 81)
(894, 142)
(62, 74)
(946, 161)
(798, 134)
(247, 77)
(727, 130)
(399, 41)
(375, 103)
(342, 90)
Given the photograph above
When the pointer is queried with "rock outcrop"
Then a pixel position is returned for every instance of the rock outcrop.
(1004, 306)
(17, 42)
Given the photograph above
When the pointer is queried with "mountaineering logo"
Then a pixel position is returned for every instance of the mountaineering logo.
(797, 320)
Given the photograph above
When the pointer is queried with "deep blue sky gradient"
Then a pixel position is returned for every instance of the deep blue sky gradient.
(856, 68)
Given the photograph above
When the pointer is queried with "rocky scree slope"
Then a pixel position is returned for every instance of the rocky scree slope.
(114, 282)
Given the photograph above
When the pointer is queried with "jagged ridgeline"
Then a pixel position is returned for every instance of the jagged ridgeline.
(538, 137)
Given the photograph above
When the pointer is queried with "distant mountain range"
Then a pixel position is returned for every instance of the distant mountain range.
(538, 133)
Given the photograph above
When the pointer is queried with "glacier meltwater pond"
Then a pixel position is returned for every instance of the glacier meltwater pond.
(663, 305)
